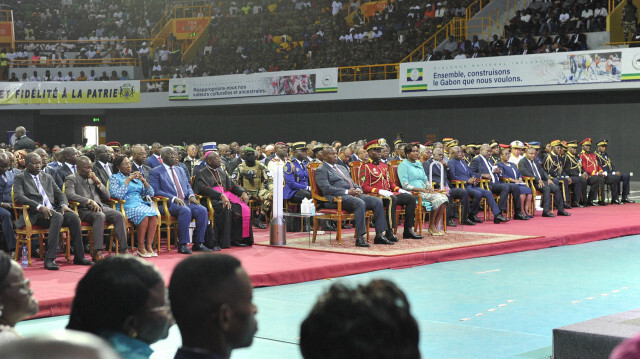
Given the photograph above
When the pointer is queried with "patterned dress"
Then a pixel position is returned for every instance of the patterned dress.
(134, 207)
(411, 174)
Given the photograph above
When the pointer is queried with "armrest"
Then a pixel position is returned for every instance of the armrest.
(458, 183)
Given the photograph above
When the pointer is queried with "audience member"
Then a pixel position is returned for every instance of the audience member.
(16, 300)
(60, 344)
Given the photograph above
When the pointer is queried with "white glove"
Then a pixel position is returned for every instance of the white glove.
(385, 193)
(403, 191)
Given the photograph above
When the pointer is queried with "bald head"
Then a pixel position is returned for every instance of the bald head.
(65, 344)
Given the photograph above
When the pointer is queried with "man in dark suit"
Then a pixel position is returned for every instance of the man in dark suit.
(102, 167)
(69, 156)
(89, 191)
(530, 168)
(39, 191)
(453, 192)
(334, 181)
(138, 164)
(169, 180)
(459, 171)
(6, 181)
(23, 142)
(155, 159)
(485, 170)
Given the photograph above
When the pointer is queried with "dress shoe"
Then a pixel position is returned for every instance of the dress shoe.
(86, 248)
(578, 205)
(521, 217)
(410, 234)
(499, 219)
(258, 223)
(529, 216)
(475, 218)
(381, 239)
(567, 205)
(563, 213)
(50, 264)
(97, 256)
(183, 249)
(451, 223)
(346, 226)
(36, 252)
(13, 255)
(590, 204)
(601, 203)
(390, 236)
(627, 200)
(199, 247)
(468, 222)
(216, 249)
(548, 214)
(329, 226)
(615, 201)
(237, 244)
(361, 242)
(82, 262)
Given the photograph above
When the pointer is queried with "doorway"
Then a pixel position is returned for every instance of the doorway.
(95, 135)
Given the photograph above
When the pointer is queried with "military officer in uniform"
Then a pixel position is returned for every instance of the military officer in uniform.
(605, 162)
(573, 169)
(374, 176)
(471, 153)
(296, 177)
(594, 171)
(554, 165)
(255, 178)
(494, 158)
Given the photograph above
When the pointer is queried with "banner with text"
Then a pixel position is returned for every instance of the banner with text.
(300, 82)
(555, 69)
(14, 93)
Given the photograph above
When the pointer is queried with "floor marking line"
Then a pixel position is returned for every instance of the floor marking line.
(275, 340)
(483, 328)
(489, 271)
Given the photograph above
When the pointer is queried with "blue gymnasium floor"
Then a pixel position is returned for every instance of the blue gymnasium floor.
(494, 307)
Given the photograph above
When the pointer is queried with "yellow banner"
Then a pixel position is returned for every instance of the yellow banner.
(14, 93)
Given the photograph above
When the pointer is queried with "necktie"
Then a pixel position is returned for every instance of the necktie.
(493, 179)
(45, 198)
(160, 159)
(535, 170)
(107, 169)
(335, 167)
(73, 168)
(175, 180)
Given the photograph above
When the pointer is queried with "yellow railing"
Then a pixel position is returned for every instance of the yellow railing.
(74, 62)
(484, 27)
(513, 5)
(621, 43)
(154, 85)
(6, 15)
(368, 72)
(431, 43)
(134, 43)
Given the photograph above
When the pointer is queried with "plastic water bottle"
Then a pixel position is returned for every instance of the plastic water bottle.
(25, 257)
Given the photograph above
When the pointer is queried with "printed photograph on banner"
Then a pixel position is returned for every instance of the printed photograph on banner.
(589, 68)
(292, 84)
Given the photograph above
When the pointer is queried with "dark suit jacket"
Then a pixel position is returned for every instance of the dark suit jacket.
(527, 171)
(24, 143)
(508, 170)
(77, 190)
(160, 180)
(459, 171)
(478, 168)
(102, 174)
(25, 191)
(145, 169)
(153, 162)
(5, 186)
(330, 183)
(61, 173)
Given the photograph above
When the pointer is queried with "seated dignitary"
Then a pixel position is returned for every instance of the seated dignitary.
(481, 167)
(516, 152)
(169, 180)
(554, 165)
(138, 157)
(256, 179)
(459, 171)
(352, 320)
(45, 168)
(232, 215)
(89, 191)
(155, 159)
(214, 312)
(69, 156)
(7, 177)
(296, 175)
(123, 299)
(412, 177)
(573, 169)
(442, 182)
(375, 178)
(529, 167)
(616, 176)
(597, 177)
(510, 170)
(132, 187)
(48, 208)
(102, 167)
(334, 181)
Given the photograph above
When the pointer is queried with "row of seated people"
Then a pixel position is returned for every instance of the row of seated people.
(82, 76)
(239, 174)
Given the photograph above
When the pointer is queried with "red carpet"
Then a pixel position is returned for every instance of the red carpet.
(270, 266)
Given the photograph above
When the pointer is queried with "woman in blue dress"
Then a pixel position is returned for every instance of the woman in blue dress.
(132, 187)
(412, 178)
(510, 170)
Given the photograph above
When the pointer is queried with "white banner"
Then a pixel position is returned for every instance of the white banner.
(566, 68)
(260, 84)
(13, 93)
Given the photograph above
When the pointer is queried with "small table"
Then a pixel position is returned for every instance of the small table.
(302, 217)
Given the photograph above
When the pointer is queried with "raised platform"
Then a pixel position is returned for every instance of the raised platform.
(269, 266)
(595, 338)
